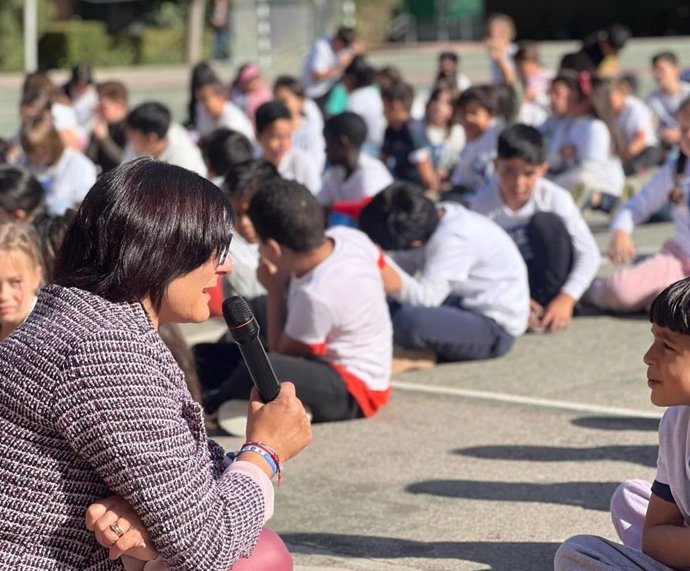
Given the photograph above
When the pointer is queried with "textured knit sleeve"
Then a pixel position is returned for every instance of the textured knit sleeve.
(120, 407)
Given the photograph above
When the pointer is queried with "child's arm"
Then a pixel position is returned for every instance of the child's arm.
(664, 537)
(427, 174)
(638, 144)
(276, 304)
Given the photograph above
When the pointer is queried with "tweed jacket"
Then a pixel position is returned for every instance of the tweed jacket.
(93, 404)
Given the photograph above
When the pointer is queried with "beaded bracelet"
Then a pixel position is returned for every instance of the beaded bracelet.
(267, 453)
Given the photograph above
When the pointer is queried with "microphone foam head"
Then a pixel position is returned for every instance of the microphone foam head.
(240, 319)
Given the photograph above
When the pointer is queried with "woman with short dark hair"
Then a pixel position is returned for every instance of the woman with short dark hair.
(95, 412)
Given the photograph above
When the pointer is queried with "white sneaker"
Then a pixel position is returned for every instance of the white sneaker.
(232, 417)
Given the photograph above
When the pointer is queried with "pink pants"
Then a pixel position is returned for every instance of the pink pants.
(634, 289)
(628, 510)
(270, 553)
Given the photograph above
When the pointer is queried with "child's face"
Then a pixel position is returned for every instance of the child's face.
(212, 101)
(475, 119)
(665, 73)
(447, 66)
(19, 281)
(276, 140)
(440, 109)
(617, 98)
(395, 112)
(559, 94)
(668, 367)
(684, 125)
(517, 180)
(527, 67)
(243, 223)
(112, 111)
(499, 31)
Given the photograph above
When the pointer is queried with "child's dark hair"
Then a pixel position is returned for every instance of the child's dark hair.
(348, 125)
(360, 72)
(671, 308)
(270, 112)
(150, 118)
(399, 216)
(522, 142)
(666, 56)
(244, 179)
(482, 95)
(528, 50)
(448, 55)
(224, 148)
(399, 91)
(346, 35)
(285, 211)
(19, 190)
(294, 85)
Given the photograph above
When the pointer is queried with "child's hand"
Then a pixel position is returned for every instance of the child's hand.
(621, 247)
(270, 277)
(670, 135)
(133, 541)
(568, 151)
(536, 312)
(496, 48)
(558, 313)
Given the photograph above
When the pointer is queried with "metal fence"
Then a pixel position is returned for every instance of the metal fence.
(270, 30)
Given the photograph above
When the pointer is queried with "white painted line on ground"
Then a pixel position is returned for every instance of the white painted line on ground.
(528, 401)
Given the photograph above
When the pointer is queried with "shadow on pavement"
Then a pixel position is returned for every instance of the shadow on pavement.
(617, 423)
(639, 454)
(587, 495)
(497, 555)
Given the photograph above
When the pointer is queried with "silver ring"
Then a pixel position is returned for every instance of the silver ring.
(116, 529)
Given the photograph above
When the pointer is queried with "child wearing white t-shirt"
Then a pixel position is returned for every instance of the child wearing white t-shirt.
(651, 519)
(584, 156)
(329, 329)
(459, 279)
(665, 100)
(354, 177)
(633, 289)
(637, 125)
(274, 130)
(560, 252)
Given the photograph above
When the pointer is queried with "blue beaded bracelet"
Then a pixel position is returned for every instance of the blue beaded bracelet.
(261, 452)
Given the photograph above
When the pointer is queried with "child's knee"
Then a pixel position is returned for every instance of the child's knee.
(573, 551)
(631, 496)
(615, 293)
(406, 328)
(270, 553)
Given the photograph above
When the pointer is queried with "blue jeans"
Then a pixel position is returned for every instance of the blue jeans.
(452, 332)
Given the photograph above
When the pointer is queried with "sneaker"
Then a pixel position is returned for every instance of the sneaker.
(232, 417)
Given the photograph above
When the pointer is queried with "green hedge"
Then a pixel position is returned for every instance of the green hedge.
(64, 44)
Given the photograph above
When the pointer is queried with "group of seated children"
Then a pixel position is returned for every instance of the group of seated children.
(470, 223)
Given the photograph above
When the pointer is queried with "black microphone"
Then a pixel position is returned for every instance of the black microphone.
(245, 332)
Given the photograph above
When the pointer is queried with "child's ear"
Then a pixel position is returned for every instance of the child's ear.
(543, 169)
(274, 248)
(416, 244)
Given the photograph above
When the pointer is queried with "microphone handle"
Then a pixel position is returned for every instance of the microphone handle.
(260, 369)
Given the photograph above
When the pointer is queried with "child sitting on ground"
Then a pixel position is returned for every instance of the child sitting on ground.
(20, 274)
(241, 183)
(651, 519)
(471, 297)
(222, 149)
(354, 176)
(636, 123)
(633, 289)
(274, 128)
(214, 111)
(665, 100)
(328, 322)
(477, 109)
(405, 150)
(560, 252)
(585, 156)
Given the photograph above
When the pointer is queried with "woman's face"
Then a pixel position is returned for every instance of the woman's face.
(19, 282)
(440, 109)
(186, 299)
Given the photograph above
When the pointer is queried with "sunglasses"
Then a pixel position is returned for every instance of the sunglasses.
(224, 253)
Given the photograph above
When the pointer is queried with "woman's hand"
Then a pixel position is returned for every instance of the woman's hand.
(134, 541)
(281, 424)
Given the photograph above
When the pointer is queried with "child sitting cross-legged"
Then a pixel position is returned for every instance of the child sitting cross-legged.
(354, 176)
(560, 252)
(651, 519)
(471, 297)
(328, 326)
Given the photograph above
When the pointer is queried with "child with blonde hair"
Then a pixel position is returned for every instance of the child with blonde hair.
(21, 274)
